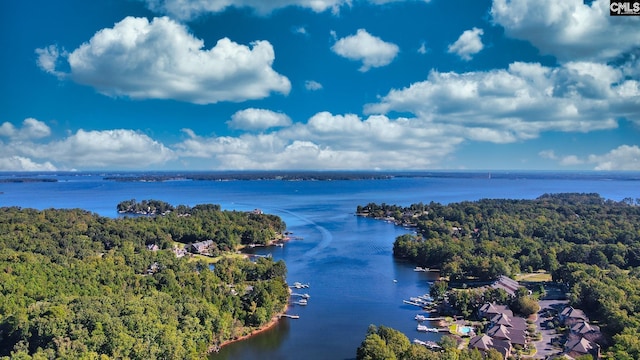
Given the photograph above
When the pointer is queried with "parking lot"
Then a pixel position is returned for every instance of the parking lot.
(551, 304)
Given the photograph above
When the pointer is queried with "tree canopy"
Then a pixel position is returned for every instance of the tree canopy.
(77, 285)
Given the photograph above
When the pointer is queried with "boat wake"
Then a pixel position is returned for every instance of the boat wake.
(326, 237)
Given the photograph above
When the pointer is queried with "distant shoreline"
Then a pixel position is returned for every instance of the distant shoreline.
(317, 175)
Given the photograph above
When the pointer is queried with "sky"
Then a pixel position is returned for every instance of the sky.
(318, 85)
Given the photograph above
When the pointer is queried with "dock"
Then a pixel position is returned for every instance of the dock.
(298, 285)
(412, 303)
(304, 296)
(290, 316)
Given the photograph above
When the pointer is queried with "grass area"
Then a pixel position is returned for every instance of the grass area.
(539, 276)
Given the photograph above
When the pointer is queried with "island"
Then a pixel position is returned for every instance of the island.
(580, 250)
(74, 284)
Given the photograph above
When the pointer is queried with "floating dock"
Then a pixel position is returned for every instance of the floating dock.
(290, 316)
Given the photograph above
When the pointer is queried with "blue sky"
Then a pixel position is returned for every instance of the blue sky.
(318, 84)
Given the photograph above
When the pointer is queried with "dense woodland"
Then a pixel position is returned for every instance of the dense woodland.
(589, 244)
(77, 285)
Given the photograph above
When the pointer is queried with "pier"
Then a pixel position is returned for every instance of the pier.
(304, 296)
(290, 316)
(298, 285)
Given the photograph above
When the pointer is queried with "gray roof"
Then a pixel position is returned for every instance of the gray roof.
(580, 345)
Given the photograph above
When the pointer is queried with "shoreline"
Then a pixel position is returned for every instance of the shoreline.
(268, 326)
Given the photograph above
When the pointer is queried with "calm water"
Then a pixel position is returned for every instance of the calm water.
(346, 259)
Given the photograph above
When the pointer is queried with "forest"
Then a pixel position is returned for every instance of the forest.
(75, 285)
(589, 244)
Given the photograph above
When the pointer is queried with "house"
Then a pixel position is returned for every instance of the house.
(570, 316)
(179, 251)
(201, 247)
(489, 310)
(485, 343)
(513, 322)
(515, 336)
(581, 328)
(578, 346)
(586, 330)
(507, 284)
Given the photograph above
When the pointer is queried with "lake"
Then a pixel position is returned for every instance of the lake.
(347, 260)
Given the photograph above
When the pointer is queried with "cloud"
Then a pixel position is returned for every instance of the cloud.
(48, 60)
(258, 119)
(520, 102)
(189, 9)
(19, 163)
(371, 50)
(113, 149)
(161, 60)
(328, 141)
(300, 30)
(570, 160)
(312, 85)
(468, 44)
(624, 157)
(119, 148)
(31, 129)
(423, 48)
(568, 30)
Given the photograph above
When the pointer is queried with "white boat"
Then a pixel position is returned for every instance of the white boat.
(426, 328)
(302, 302)
(421, 318)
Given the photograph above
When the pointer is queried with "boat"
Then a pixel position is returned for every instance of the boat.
(299, 285)
(421, 318)
(302, 302)
(426, 328)
(420, 269)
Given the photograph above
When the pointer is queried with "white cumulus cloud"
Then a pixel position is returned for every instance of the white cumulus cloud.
(258, 119)
(328, 141)
(624, 157)
(19, 163)
(31, 129)
(569, 29)
(113, 149)
(371, 50)
(468, 44)
(162, 60)
(520, 102)
(119, 148)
